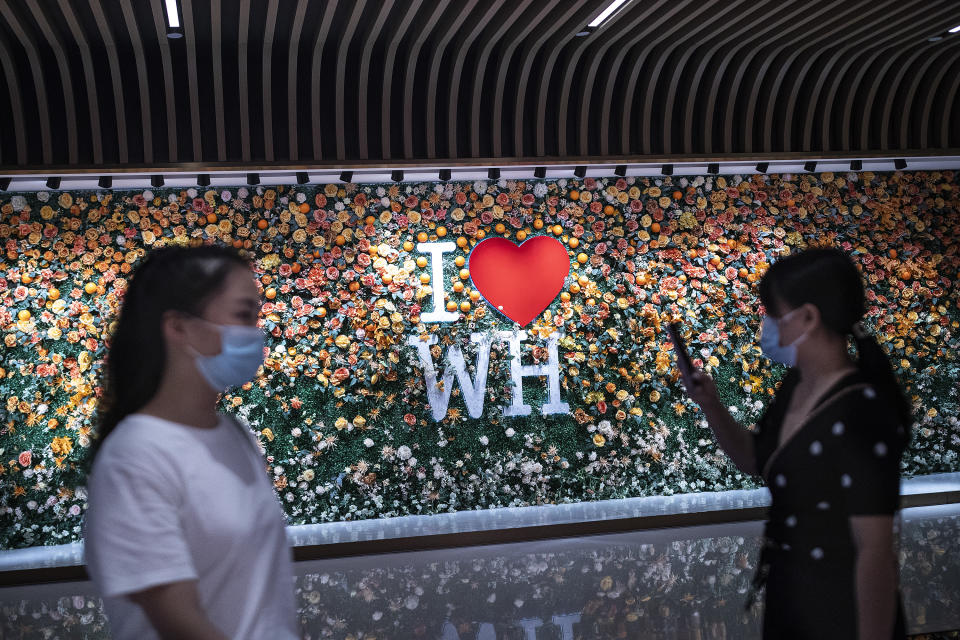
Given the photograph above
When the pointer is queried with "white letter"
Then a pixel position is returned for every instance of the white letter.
(436, 251)
(519, 371)
(473, 392)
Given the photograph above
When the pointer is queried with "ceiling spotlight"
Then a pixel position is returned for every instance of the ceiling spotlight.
(540, 172)
(253, 178)
(580, 171)
(584, 33)
(900, 163)
(303, 177)
(810, 167)
(604, 15)
(856, 165)
(445, 174)
(934, 38)
(203, 179)
(713, 167)
(5, 183)
(105, 182)
(346, 176)
(156, 181)
(397, 176)
(174, 28)
(493, 174)
(667, 169)
(956, 29)
(53, 182)
(621, 170)
(762, 167)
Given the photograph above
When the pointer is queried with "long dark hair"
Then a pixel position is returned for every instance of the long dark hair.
(829, 280)
(170, 278)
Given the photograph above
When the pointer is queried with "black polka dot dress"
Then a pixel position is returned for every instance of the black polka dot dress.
(843, 461)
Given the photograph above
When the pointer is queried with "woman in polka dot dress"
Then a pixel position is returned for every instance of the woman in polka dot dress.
(829, 448)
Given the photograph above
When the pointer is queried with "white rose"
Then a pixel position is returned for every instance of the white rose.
(510, 432)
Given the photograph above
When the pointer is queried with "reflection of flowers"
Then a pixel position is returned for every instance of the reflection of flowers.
(339, 267)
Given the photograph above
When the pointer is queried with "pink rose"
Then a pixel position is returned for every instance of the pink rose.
(25, 458)
(410, 419)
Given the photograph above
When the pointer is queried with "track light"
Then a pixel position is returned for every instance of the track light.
(810, 167)
(346, 176)
(253, 178)
(53, 182)
(713, 167)
(580, 171)
(540, 172)
(900, 163)
(303, 177)
(445, 174)
(203, 179)
(621, 170)
(762, 167)
(5, 183)
(156, 181)
(493, 173)
(667, 169)
(105, 182)
(856, 165)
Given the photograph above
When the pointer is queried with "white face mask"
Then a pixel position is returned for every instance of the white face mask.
(241, 354)
(770, 341)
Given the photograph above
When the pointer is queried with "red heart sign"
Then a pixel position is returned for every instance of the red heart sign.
(519, 282)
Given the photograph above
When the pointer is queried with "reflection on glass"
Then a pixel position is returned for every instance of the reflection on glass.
(679, 583)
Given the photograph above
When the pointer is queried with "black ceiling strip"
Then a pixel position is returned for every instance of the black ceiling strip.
(853, 43)
(926, 136)
(169, 89)
(409, 76)
(293, 79)
(190, 37)
(16, 105)
(363, 94)
(612, 40)
(143, 78)
(106, 37)
(89, 79)
(37, 75)
(267, 89)
(611, 86)
(243, 73)
(53, 39)
(389, 74)
(438, 55)
(791, 39)
(689, 29)
(835, 69)
(489, 42)
(340, 96)
(857, 101)
(317, 77)
(564, 27)
(505, 65)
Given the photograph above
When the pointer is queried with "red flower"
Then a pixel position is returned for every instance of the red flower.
(602, 406)
(528, 199)
(410, 419)
(341, 374)
(25, 458)
(321, 201)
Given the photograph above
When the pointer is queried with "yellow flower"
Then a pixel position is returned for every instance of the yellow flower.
(599, 440)
(606, 583)
(268, 434)
(654, 396)
(342, 341)
(653, 192)
(341, 423)
(360, 422)
(62, 445)
(65, 200)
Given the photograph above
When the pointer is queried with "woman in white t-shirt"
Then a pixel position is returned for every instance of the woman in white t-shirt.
(184, 535)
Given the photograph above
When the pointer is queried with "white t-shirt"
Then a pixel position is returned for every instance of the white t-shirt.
(171, 502)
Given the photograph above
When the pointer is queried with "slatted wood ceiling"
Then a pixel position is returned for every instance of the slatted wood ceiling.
(97, 82)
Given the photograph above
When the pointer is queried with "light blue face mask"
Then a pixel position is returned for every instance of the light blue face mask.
(241, 354)
(770, 341)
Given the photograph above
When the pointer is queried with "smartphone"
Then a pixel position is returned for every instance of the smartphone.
(683, 358)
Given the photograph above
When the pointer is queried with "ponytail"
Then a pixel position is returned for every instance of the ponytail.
(875, 367)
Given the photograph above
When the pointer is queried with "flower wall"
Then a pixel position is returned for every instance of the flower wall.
(342, 407)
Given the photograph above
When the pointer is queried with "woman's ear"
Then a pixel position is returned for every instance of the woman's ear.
(173, 327)
(811, 316)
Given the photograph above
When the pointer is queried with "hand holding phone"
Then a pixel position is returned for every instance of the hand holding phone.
(684, 363)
